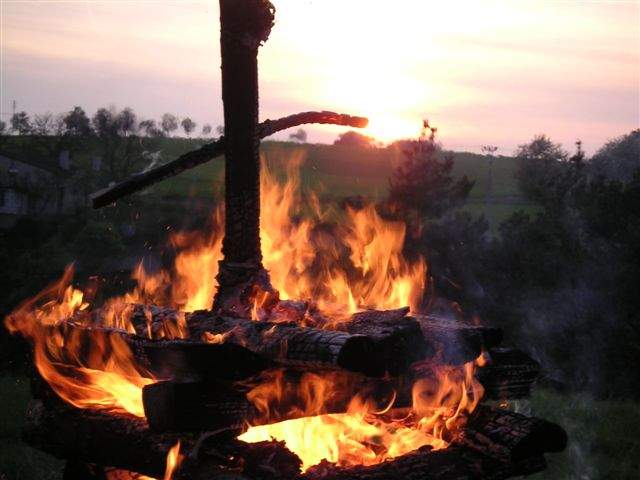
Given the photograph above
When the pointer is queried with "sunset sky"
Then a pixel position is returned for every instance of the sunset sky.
(482, 72)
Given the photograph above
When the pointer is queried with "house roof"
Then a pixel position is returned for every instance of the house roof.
(42, 165)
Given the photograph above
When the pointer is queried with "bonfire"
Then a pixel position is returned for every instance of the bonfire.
(273, 348)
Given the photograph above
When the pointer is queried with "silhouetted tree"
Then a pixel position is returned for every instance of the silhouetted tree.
(169, 123)
(618, 159)
(188, 126)
(206, 130)
(44, 124)
(355, 139)
(423, 183)
(21, 123)
(127, 122)
(3, 127)
(299, 136)
(149, 128)
(122, 152)
(220, 130)
(77, 123)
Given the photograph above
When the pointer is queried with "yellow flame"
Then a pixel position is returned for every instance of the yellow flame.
(173, 460)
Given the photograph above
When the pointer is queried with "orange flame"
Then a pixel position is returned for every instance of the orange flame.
(355, 264)
(173, 460)
(106, 377)
(306, 262)
(363, 436)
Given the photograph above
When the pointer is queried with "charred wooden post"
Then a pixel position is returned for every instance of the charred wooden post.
(244, 25)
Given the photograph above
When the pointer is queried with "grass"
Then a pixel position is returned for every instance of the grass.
(18, 461)
(603, 436)
(336, 172)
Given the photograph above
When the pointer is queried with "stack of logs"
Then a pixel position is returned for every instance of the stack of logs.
(201, 396)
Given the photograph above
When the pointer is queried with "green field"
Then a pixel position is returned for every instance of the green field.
(335, 172)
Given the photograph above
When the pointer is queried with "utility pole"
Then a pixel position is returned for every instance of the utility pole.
(489, 150)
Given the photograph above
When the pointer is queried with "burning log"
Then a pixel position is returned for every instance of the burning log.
(167, 359)
(293, 346)
(496, 444)
(509, 374)
(127, 443)
(397, 339)
(196, 406)
(517, 436)
(453, 462)
(455, 342)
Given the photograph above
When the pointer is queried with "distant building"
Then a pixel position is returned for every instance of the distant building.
(28, 188)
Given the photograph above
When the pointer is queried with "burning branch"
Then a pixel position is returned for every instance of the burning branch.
(192, 159)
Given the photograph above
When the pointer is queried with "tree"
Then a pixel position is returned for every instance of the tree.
(169, 123)
(422, 183)
(126, 122)
(77, 123)
(355, 139)
(220, 129)
(206, 130)
(149, 128)
(618, 159)
(188, 126)
(299, 136)
(122, 151)
(21, 123)
(3, 127)
(43, 124)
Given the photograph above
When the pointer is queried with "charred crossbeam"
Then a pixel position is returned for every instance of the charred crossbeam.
(210, 151)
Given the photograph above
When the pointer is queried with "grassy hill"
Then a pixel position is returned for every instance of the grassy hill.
(336, 172)
(332, 171)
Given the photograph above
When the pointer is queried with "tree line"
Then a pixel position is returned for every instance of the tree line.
(76, 122)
